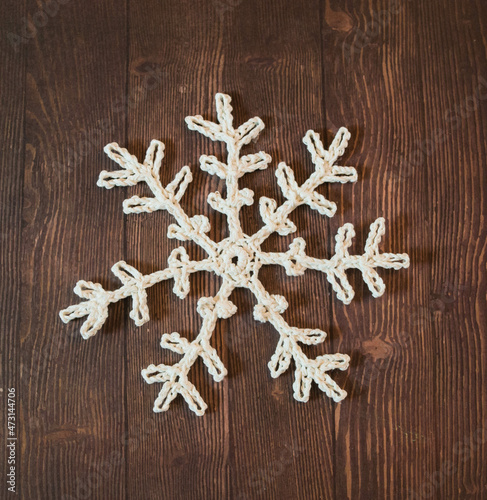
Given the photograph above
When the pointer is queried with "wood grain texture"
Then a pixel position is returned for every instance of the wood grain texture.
(456, 119)
(73, 419)
(393, 355)
(11, 164)
(409, 80)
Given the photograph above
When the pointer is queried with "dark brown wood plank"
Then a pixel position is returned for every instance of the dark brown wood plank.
(254, 434)
(385, 430)
(455, 114)
(190, 459)
(73, 391)
(12, 76)
(184, 454)
(284, 448)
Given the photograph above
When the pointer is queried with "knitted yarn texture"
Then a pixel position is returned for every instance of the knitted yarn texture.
(238, 258)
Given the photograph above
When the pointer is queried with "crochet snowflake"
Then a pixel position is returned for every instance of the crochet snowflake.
(236, 259)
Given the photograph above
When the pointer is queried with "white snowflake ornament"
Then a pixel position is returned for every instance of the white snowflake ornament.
(236, 259)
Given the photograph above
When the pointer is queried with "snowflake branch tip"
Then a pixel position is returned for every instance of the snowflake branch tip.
(385, 260)
(315, 370)
(366, 263)
(324, 160)
(95, 307)
(223, 130)
(270, 308)
(134, 172)
(174, 383)
(97, 300)
(307, 370)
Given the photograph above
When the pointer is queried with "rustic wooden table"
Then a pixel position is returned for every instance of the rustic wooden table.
(409, 79)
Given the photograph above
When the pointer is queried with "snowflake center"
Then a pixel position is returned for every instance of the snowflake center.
(238, 260)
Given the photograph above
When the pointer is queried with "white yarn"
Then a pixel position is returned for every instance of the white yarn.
(238, 258)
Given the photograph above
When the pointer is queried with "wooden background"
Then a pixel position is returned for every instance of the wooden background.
(409, 79)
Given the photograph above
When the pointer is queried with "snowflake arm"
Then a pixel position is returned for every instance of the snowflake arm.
(165, 198)
(295, 261)
(134, 285)
(175, 377)
(270, 308)
(235, 166)
(276, 218)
